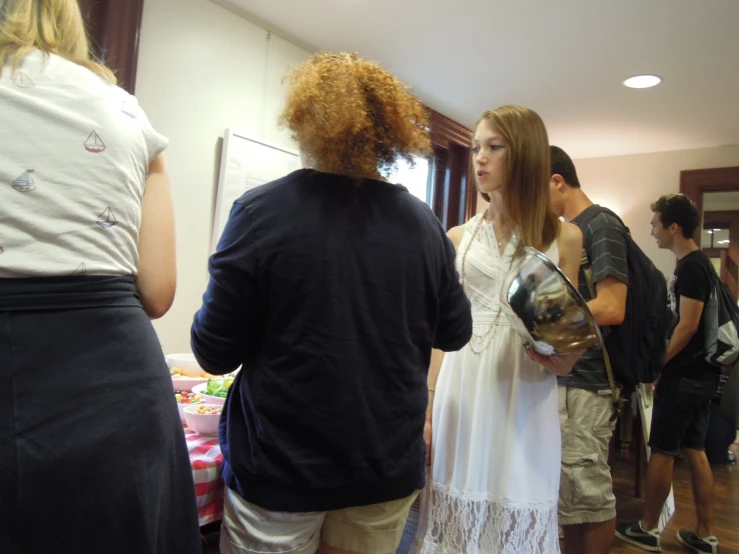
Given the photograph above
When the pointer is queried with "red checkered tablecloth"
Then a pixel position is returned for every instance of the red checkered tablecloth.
(206, 460)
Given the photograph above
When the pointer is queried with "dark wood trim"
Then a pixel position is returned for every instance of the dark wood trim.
(114, 27)
(710, 219)
(446, 132)
(455, 194)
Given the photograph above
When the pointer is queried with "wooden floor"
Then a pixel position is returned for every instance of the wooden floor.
(629, 509)
(727, 507)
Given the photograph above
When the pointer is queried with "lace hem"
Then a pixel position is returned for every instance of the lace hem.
(462, 522)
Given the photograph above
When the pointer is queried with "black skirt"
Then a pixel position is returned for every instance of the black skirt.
(93, 457)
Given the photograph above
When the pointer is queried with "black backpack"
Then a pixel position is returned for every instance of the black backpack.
(635, 350)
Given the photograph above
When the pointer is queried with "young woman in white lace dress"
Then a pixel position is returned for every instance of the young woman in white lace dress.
(493, 417)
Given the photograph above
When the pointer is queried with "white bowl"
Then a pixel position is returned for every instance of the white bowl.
(202, 424)
(186, 362)
(200, 389)
(181, 408)
(187, 383)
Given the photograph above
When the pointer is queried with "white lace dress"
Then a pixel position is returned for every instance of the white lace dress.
(494, 482)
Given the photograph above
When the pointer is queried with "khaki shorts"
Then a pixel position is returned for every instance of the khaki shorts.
(375, 529)
(586, 486)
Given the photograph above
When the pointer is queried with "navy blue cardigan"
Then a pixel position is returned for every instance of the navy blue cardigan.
(330, 293)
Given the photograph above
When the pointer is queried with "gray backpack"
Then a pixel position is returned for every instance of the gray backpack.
(721, 321)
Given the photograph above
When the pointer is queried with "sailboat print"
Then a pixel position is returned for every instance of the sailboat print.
(106, 220)
(127, 109)
(23, 81)
(25, 183)
(94, 143)
(81, 270)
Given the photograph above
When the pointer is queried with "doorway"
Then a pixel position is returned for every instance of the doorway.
(716, 194)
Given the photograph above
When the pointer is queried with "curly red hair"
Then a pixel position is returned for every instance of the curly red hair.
(350, 116)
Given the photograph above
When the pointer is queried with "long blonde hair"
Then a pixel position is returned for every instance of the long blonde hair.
(528, 173)
(51, 26)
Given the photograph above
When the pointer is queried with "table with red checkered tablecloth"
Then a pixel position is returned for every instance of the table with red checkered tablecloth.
(206, 460)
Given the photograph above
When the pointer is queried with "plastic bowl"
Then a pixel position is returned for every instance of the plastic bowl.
(187, 363)
(187, 383)
(203, 424)
(181, 408)
(200, 389)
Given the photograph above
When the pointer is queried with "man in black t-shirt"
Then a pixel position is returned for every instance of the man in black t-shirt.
(685, 387)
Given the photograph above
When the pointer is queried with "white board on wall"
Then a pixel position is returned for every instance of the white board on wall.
(246, 163)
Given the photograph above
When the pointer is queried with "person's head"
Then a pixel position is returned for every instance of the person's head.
(511, 158)
(51, 26)
(350, 116)
(564, 178)
(675, 218)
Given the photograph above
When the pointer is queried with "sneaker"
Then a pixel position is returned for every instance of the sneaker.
(633, 533)
(697, 544)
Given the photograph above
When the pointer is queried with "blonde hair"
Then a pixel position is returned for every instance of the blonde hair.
(51, 26)
(352, 117)
(528, 173)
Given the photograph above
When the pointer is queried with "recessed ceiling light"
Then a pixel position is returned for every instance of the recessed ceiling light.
(643, 81)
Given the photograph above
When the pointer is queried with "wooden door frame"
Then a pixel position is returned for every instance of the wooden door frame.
(114, 28)
(455, 196)
(694, 182)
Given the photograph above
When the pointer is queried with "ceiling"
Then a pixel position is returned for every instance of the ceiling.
(565, 59)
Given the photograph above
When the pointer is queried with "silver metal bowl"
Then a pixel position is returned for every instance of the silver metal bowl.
(545, 308)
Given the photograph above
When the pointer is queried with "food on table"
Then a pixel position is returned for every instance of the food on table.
(185, 397)
(176, 373)
(209, 409)
(218, 386)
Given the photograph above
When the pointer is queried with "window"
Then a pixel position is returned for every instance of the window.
(417, 178)
(715, 238)
(442, 179)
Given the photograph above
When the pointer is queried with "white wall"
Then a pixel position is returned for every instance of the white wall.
(203, 69)
(629, 184)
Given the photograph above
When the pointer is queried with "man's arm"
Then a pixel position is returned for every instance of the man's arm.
(608, 260)
(609, 304)
(690, 317)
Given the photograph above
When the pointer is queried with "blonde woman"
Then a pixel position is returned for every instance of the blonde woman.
(493, 419)
(92, 454)
(330, 286)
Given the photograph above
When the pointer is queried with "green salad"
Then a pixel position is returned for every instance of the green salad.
(218, 386)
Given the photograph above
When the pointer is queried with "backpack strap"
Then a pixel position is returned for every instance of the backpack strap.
(615, 391)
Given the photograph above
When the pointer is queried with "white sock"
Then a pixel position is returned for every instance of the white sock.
(654, 531)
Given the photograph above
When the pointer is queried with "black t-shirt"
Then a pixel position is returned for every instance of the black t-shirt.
(693, 279)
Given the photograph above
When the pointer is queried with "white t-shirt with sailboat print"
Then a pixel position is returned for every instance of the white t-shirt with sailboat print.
(73, 165)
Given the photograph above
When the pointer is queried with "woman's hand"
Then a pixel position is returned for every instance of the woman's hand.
(557, 364)
(427, 439)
